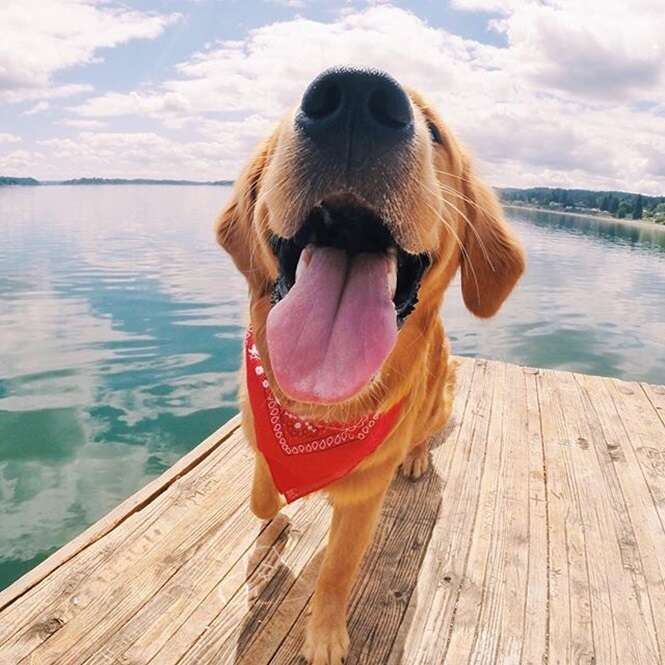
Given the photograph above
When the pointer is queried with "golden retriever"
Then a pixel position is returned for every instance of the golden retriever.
(366, 181)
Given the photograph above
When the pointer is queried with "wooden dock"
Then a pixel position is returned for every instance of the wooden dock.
(537, 537)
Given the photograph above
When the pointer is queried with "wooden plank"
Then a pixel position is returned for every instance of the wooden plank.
(536, 609)
(282, 547)
(429, 620)
(570, 633)
(489, 626)
(391, 571)
(233, 631)
(537, 537)
(578, 444)
(621, 633)
(628, 427)
(119, 588)
(645, 424)
(169, 637)
(118, 515)
(475, 629)
(209, 568)
(443, 454)
(656, 395)
(117, 547)
(509, 576)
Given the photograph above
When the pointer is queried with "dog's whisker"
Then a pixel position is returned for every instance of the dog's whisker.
(465, 218)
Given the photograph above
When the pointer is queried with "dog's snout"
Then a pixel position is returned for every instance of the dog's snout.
(355, 114)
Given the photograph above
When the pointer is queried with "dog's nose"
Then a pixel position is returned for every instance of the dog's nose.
(355, 114)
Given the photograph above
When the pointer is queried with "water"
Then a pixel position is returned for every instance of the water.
(121, 326)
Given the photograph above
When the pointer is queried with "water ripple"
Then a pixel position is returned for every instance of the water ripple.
(122, 325)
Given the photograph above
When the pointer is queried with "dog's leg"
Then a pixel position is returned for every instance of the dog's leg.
(416, 461)
(351, 531)
(266, 501)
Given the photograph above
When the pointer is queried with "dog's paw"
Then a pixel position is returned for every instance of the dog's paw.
(325, 643)
(416, 463)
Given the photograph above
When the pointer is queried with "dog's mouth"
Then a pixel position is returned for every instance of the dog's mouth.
(344, 288)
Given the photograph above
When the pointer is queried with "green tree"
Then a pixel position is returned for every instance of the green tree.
(638, 209)
(658, 215)
(624, 209)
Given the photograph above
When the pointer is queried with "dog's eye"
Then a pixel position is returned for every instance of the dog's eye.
(435, 133)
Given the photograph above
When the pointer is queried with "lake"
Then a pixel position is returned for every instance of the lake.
(121, 325)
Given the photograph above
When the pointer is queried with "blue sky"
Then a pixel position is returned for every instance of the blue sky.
(550, 92)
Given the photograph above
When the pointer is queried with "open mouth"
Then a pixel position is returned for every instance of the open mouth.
(344, 288)
(355, 230)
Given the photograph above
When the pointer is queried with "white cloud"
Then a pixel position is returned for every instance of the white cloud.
(293, 4)
(541, 110)
(134, 103)
(39, 107)
(133, 155)
(9, 138)
(10, 96)
(40, 39)
(83, 124)
(267, 72)
(20, 162)
(593, 49)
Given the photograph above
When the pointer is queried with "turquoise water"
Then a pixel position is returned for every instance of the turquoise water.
(121, 325)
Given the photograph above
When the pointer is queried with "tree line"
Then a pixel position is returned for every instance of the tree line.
(623, 205)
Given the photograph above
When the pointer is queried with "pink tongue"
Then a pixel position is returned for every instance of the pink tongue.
(335, 327)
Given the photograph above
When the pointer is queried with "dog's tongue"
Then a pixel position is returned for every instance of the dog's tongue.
(335, 327)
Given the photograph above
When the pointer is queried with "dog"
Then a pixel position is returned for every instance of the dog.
(349, 223)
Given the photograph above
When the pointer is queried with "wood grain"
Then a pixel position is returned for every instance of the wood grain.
(537, 537)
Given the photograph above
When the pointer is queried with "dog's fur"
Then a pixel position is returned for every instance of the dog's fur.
(438, 206)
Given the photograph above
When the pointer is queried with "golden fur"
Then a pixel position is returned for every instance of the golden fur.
(439, 206)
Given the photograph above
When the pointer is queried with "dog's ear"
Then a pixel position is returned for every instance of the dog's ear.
(236, 226)
(493, 259)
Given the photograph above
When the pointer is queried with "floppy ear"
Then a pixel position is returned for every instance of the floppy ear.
(493, 259)
(236, 228)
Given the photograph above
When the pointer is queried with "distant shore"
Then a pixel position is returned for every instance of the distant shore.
(32, 182)
(637, 223)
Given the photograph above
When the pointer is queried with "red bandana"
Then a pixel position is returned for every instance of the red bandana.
(303, 456)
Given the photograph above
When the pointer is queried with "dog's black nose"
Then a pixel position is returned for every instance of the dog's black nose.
(355, 115)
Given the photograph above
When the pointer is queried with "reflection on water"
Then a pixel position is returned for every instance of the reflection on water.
(593, 300)
(121, 327)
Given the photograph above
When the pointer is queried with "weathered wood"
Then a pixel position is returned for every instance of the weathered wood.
(537, 537)
(107, 558)
(127, 508)
(536, 622)
(107, 600)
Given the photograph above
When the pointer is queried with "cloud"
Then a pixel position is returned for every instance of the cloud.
(11, 96)
(593, 49)
(40, 39)
(135, 154)
(39, 107)
(539, 110)
(565, 101)
(266, 73)
(293, 4)
(9, 138)
(83, 124)
(20, 162)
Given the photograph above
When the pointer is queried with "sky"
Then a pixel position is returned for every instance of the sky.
(543, 92)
